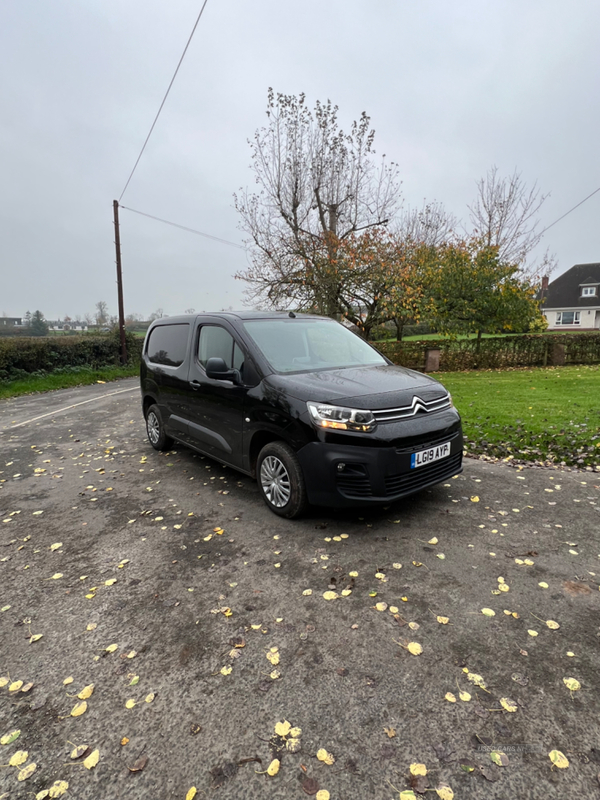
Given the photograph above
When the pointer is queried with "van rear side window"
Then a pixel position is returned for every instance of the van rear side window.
(168, 344)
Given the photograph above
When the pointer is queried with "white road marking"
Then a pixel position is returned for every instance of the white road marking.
(67, 408)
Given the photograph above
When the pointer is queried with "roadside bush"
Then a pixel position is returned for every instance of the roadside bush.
(417, 329)
(381, 333)
(21, 357)
(528, 350)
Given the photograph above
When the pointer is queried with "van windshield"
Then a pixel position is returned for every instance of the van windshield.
(303, 345)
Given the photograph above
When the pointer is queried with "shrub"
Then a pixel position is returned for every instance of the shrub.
(527, 350)
(26, 356)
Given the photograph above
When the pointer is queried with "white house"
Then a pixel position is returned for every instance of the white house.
(572, 301)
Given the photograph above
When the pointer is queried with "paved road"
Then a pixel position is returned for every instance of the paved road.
(141, 567)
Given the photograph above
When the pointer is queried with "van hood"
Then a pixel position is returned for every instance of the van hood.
(370, 387)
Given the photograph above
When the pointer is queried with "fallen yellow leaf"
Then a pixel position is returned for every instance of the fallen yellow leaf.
(444, 792)
(283, 728)
(325, 757)
(91, 761)
(558, 759)
(508, 704)
(57, 789)
(79, 709)
(26, 772)
(18, 758)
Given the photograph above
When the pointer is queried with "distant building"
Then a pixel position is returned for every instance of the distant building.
(572, 301)
(59, 325)
(11, 321)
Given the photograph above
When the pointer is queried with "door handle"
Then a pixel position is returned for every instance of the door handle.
(195, 385)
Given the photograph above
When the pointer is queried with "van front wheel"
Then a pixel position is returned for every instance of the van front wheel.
(280, 480)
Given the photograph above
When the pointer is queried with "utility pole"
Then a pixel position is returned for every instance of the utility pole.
(120, 284)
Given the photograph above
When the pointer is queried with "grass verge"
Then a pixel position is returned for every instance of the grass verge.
(65, 379)
(530, 414)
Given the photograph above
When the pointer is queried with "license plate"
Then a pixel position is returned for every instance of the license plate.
(431, 454)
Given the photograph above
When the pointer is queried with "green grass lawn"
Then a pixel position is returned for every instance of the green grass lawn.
(64, 380)
(532, 414)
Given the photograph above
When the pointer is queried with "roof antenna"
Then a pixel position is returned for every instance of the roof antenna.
(292, 315)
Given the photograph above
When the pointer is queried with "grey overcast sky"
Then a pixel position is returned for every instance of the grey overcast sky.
(451, 88)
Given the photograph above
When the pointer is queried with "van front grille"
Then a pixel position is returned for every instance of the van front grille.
(414, 479)
(417, 406)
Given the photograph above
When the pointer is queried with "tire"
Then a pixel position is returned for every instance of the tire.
(280, 480)
(156, 430)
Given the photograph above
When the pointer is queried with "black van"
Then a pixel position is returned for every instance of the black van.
(302, 404)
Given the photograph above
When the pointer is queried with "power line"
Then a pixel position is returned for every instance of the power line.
(571, 209)
(164, 98)
(184, 228)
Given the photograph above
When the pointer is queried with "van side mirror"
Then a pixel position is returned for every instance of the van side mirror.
(218, 370)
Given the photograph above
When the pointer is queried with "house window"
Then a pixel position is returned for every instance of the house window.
(568, 318)
(588, 291)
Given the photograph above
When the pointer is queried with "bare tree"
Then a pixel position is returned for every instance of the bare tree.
(157, 314)
(431, 225)
(317, 186)
(101, 312)
(505, 215)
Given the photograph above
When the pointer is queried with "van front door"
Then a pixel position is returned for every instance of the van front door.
(215, 408)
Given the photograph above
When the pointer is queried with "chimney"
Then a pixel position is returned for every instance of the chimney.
(545, 282)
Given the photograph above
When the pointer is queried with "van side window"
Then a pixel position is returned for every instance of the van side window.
(168, 344)
(215, 342)
(238, 357)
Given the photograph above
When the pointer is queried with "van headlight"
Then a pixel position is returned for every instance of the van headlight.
(341, 418)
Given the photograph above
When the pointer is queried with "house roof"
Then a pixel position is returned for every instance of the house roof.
(565, 291)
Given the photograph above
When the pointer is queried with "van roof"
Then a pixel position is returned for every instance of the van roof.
(242, 315)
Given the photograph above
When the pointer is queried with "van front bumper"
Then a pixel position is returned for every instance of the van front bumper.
(348, 475)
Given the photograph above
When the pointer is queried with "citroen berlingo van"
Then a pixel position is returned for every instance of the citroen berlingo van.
(301, 403)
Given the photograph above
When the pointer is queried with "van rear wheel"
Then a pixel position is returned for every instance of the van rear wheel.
(280, 480)
(156, 430)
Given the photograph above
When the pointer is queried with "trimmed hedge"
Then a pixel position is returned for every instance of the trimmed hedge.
(20, 357)
(527, 350)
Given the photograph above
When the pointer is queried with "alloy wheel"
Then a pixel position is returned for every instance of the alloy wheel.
(153, 427)
(275, 481)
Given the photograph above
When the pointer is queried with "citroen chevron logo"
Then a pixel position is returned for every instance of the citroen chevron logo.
(418, 404)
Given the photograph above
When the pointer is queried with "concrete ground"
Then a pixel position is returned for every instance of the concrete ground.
(109, 554)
